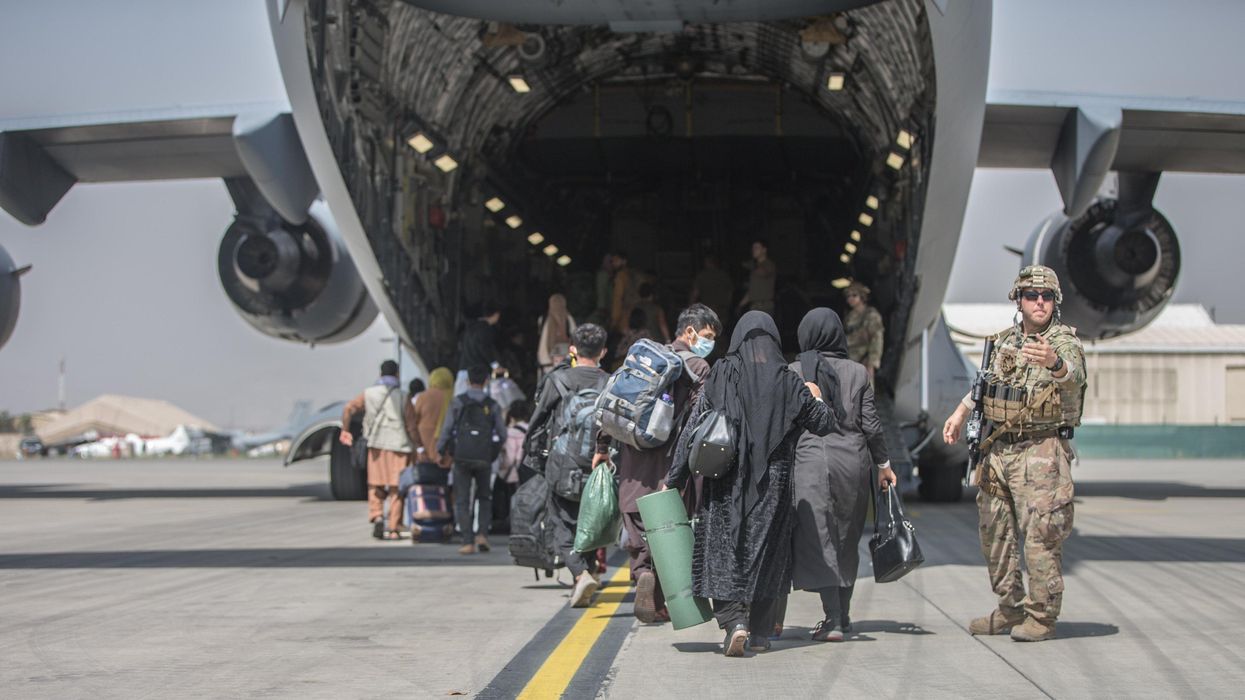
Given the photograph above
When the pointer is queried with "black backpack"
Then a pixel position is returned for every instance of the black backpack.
(473, 432)
(531, 528)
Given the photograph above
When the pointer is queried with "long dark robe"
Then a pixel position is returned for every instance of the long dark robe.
(742, 546)
(832, 472)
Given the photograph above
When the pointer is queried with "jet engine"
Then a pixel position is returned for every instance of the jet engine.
(10, 295)
(294, 281)
(1117, 264)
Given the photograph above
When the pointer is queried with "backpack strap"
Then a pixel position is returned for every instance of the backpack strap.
(686, 355)
(369, 431)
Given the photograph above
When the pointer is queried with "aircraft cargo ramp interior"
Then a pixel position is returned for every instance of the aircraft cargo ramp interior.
(501, 161)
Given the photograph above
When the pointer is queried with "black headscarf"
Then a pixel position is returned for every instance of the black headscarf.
(821, 333)
(753, 386)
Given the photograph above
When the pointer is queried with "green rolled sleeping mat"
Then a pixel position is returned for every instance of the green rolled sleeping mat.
(669, 535)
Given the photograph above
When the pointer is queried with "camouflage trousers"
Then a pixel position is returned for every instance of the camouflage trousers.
(1026, 498)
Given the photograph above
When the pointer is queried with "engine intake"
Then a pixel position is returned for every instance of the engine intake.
(1117, 267)
(294, 281)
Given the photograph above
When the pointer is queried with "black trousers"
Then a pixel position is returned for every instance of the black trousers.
(836, 601)
(757, 615)
(565, 519)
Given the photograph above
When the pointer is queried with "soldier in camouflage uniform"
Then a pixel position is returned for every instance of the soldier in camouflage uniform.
(1037, 385)
(864, 329)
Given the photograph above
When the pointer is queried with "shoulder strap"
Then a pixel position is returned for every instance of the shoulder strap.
(687, 355)
(370, 430)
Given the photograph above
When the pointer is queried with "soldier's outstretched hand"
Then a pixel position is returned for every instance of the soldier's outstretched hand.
(1039, 352)
(951, 429)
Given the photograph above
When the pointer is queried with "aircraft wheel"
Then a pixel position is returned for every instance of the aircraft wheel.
(941, 485)
(345, 482)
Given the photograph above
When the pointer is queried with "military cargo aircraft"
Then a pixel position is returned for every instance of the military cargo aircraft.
(495, 149)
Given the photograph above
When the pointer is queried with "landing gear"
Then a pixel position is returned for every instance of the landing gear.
(345, 481)
(941, 484)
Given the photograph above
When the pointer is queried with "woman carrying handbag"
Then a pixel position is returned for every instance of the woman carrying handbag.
(741, 558)
(833, 473)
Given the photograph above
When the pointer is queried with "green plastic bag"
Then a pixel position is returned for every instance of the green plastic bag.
(599, 516)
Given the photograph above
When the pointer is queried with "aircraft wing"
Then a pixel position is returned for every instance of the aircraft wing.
(40, 159)
(1082, 137)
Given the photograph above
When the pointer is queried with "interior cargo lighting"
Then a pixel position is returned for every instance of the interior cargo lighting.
(422, 144)
(520, 85)
(845, 258)
(841, 283)
(495, 205)
(551, 250)
(850, 247)
(894, 160)
(856, 236)
(835, 81)
(905, 139)
(514, 221)
(865, 219)
(564, 260)
(446, 163)
(872, 202)
(536, 238)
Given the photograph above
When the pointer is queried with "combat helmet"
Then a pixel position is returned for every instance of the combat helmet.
(1036, 277)
(858, 288)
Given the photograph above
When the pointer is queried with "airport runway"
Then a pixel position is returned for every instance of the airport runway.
(241, 579)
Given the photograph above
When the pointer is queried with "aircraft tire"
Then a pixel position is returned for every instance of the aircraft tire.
(345, 482)
(940, 485)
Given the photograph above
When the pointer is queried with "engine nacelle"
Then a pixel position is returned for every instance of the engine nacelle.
(10, 295)
(295, 282)
(1117, 269)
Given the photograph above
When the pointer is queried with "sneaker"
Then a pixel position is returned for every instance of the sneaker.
(759, 643)
(482, 543)
(645, 597)
(997, 622)
(585, 586)
(1033, 631)
(735, 641)
(468, 548)
(827, 631)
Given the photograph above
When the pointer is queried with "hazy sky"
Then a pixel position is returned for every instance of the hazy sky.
(124, 284)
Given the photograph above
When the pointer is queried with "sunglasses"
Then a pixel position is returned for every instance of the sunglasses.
(1032, 295)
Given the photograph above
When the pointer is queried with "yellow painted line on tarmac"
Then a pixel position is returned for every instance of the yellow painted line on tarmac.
(555, 674)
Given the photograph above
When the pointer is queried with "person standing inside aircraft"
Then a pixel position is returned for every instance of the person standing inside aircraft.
(478, 345)
(832, 473)
(762, 276)
(742, 553)
(565, 384)
(624, 293)
(472, 436)
(654, 315)
(713, 288)
(640, 471)
(1037, 383)
(604, 285)
(865, 329)
(389, 428)
(556, 327)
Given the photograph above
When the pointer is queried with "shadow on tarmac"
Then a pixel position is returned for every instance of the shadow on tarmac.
(1074, 630)
(313, 491)
(292, 558)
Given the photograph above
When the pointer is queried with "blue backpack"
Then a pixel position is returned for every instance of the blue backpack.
(637, 405)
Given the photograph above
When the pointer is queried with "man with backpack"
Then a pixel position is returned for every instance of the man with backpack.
(472, 436)
(560, 445)
(656, 384)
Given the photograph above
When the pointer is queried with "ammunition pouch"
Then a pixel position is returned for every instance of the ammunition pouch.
(1005, 404)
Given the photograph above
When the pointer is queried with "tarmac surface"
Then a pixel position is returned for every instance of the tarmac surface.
(242, 579)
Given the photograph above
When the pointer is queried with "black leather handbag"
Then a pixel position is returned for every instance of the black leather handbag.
(893, 546)
(713, 445)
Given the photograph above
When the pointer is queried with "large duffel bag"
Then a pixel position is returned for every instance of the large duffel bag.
(531, 528)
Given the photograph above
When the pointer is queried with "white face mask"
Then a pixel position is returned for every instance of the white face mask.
(702, 346)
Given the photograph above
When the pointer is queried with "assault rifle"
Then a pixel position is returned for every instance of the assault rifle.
(977, 427)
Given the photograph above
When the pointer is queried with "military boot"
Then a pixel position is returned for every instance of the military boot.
(1033, 631)
(997, 622)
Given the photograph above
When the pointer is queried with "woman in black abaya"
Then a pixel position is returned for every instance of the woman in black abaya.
(832, 473)
(742, 554)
